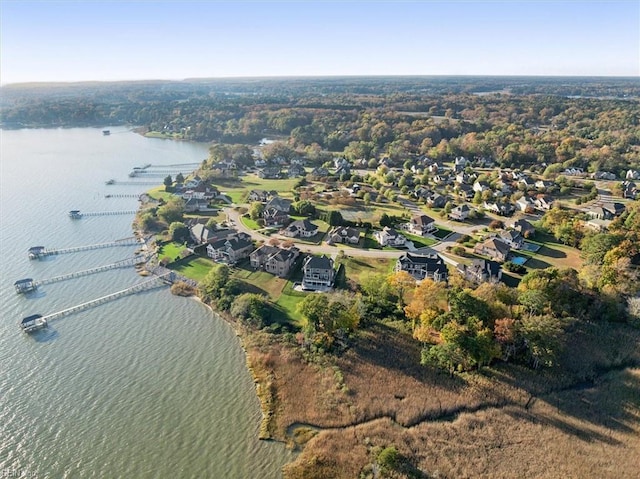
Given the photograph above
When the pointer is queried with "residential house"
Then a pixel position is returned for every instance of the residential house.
(525, 228)
(482, 271)
(343, 234)
(465, 191)
(604, 175)
(421, 225)
(525, 204)
(318, 273)
(279, 203)
(494, 248)
(600, 213)
(544, 184)
(464, 178)
(319, 172)
(200, 234)
(274, 260)
(195, 204)
(526, 182)
(436, 200)
(275, 217)
(300, 229)
(259, 195)
(543, 202)
(421, 192)
(389, 237)
(201, 191)
(513, 238)
(598, 224)
(480, 186)
(296, 170)
(270, 172)
(460, 163)
(502, 209)
(460, 212)
(192, 182)
(630, 190)
(632, 175)
(231, 249)
(573, 172)
(423, 266)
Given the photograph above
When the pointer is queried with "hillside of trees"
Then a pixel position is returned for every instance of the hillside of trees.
(519, 122)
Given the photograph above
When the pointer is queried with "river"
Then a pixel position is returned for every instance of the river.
(147, 386)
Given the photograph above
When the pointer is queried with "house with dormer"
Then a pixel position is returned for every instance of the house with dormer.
(300, 229)
(389, 237)
(274, 260)
(230, 250)
(421, 225)
(513, 238)
(494, 248)
(343, 235)
(318, 273)
(481, 271)
(460, 212)
(423, 266)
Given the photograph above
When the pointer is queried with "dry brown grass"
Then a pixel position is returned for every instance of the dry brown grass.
(580, 421)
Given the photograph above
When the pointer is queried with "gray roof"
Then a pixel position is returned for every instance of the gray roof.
(318, 262)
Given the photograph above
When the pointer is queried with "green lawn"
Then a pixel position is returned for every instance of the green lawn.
(249, 223)
(193, 267)
(172, 250)
(419, 241)
(284, 186)
(356, 268)
(158, 193)
(442, 232)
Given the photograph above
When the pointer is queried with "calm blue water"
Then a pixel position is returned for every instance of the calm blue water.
(150, 385)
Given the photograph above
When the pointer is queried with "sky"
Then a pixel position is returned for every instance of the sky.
(129, 40)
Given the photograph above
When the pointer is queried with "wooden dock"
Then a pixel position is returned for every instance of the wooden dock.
(77, 214)
(27, 285)
(133, 183)
(38, 321)
(36, 252)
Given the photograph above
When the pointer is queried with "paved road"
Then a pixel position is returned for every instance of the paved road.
(234, 219)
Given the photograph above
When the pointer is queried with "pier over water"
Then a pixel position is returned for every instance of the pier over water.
(37, 321)
(37, 252)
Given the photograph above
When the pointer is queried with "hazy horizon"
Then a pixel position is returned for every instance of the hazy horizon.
(64, 41)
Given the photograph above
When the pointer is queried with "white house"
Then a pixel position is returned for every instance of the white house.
(389, 237)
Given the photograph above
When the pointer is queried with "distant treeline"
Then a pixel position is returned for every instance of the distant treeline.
(518, 121)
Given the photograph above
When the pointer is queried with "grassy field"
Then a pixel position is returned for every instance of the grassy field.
(509, 421)
(249, 223)
(419, 241)
(193, 267)
(172, 250)
(442, 232)
(357, 268)
(159, 193)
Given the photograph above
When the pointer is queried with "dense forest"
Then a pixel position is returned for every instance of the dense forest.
(592, 123)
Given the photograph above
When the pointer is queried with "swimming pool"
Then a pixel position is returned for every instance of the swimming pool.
(519, 260)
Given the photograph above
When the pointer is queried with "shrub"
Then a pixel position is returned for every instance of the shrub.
(180, 288)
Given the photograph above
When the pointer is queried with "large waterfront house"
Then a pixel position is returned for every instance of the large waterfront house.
(273, 259)
(423, 266)
(494, 248)
(389, 237)
(195, 204)
(231, 249)
(317, 273)
(482, 271)
(300, 229)
(200, 234)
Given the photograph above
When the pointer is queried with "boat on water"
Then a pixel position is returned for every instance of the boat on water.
(106, 132)
(110, 182)
(75, 214)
